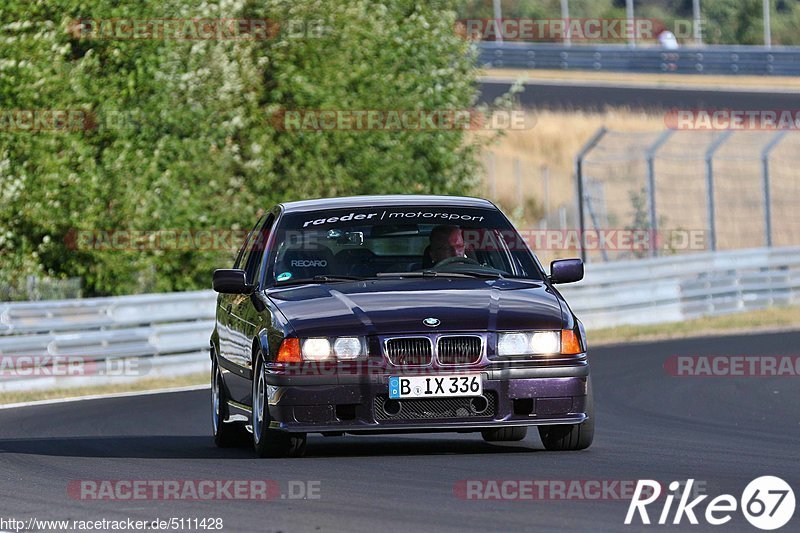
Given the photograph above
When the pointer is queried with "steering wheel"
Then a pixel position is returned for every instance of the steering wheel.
(456, 259)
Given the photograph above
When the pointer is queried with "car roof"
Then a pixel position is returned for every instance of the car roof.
(392, 200)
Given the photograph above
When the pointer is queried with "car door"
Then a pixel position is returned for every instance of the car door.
(246, 319)
(226, 328)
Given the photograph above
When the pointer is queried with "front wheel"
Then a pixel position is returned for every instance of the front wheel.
(569, 437)
(267, 441)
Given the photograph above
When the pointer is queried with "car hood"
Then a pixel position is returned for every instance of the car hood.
(381, 307)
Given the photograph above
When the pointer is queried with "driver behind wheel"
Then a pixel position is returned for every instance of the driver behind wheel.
(446, 241)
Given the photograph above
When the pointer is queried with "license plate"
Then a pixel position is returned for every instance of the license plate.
(435, 386)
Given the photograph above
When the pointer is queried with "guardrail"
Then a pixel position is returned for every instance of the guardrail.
(751, 60)
(149, 335)
(682, 287)
(167, 334)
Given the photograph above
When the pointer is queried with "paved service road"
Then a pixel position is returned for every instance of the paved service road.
(593, 97)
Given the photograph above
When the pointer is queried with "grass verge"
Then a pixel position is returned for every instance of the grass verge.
(776, 318)
(771, 83)
(135, 386)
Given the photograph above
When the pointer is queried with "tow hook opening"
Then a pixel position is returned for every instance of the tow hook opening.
(392, 407)
(479, 404)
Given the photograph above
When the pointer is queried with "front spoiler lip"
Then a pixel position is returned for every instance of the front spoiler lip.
(401, 427)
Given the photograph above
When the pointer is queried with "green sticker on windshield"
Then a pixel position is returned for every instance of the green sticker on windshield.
(284, 276)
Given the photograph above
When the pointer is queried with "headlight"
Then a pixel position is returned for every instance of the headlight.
(316, 349)
(513, 344)
(343, 348)
(529, 343)
(348, 347)
(546, 342)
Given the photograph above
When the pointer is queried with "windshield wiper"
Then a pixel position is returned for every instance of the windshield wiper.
(435, 274)
(318, 279)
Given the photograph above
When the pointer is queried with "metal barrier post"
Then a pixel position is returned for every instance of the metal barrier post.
(651, 187)
(498, 20)
(712, 222)
(723, 60)
(773, 142)
(579, 178)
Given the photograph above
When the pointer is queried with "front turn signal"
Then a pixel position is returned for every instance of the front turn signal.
(570, 343)
(289, 352)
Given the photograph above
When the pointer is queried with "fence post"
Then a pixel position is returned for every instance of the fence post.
(651, 188)
(773, 142)
(579, 178)
(498, 20)
(712, 221)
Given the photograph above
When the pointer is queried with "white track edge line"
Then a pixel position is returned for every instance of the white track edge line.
(105, 396)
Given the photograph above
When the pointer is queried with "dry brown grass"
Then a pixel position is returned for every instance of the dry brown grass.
(135, 386)
(516, 164)
(776, 83)
(766, 320)
(552, 143)
(557, 136)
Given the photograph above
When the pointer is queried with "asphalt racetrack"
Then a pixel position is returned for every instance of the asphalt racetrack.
(721, 431)
(587, 96)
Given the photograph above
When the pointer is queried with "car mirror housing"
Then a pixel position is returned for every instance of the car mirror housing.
(231, 281)
(566, 271)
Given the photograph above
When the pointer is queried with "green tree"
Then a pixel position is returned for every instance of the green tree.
(183, 137)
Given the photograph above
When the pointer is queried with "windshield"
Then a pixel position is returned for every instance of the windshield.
(385, 242)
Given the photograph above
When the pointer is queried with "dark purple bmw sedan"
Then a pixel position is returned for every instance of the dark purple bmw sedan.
(382, 314)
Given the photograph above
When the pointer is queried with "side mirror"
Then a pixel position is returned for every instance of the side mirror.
(566, 271)
(231, 281)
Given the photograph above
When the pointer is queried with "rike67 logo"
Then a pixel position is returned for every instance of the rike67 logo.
(767, 503)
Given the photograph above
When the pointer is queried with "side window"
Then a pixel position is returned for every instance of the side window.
(257, 244)
(240, 257)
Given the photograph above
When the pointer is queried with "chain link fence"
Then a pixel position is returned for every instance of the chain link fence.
(676, 191)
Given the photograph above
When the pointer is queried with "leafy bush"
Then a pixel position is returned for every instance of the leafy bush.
(184, 140)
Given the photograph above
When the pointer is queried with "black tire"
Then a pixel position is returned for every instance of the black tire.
(226, 434)
(270, 442)
(506, 434)
(571, 437)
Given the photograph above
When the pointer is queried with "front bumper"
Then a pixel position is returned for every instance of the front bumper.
(525, 396)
